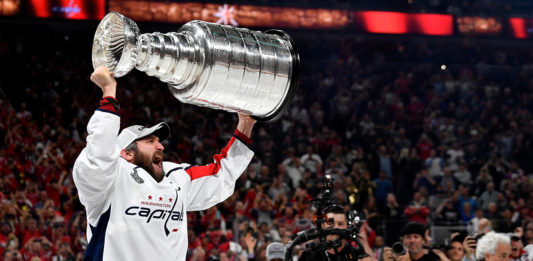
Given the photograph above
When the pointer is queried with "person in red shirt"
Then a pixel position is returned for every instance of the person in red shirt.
(30, 230)
(417, 211)
(38, 247)
(59, 234)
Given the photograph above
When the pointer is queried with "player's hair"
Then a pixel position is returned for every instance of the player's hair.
(488, 244)
(132, 147)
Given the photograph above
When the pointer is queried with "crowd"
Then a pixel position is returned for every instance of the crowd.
(434, 132)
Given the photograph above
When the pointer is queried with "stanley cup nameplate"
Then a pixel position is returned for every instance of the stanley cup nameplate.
(206, 64)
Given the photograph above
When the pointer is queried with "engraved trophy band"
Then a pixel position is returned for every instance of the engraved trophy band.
(206, 64)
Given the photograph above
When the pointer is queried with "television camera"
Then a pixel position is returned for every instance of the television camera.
(324, 204)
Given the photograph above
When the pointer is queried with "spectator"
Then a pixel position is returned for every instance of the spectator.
(493, 246)
(275, 251)
(463, 175)
(64, 253)
(455, 156)
(417, 211)
(490, 195)
(311, 160)
(446, 213)
(294, 168)
(392, 209)
(448, 182)
(383, 188)
(482, 181)
(517, 249)
(456, 252)
(12, 255)
(462, 195)
(434, 165)
(385, 162)
(423, 180)
(414, 238)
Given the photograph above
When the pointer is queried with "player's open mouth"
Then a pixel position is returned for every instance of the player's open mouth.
(157, 163)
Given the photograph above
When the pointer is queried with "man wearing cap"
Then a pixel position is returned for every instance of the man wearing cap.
(136, 203)
(413, 237)
(275, 251)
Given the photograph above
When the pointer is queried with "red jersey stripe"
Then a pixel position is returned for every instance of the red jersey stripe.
(106, 105)
(196, 172)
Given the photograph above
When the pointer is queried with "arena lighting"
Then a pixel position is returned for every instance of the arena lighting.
(479, 25)
(433, 24)
(518, 26)
(383, 22)
(40, 8)
(9, 7)
(402, 23)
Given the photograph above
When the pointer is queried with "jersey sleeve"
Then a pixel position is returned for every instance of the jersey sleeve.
(215, 182)
(96, 167)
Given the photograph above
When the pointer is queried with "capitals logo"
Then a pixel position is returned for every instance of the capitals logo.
(162, 211)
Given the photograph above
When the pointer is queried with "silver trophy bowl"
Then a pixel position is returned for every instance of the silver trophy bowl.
(206, 64)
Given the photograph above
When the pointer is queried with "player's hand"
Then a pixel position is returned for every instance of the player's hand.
(246, 124)
(105, 80)
(246, 118)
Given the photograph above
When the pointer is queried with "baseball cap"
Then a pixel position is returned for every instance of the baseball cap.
(275, 250)
(135, 132)
(414, 228)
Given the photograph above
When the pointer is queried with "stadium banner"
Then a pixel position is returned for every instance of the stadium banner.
(285, 17)
(521, 28)
(232, 14)
(66, 9)
(476, 25)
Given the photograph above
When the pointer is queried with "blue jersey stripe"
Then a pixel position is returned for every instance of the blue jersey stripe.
(95, 249)
(172, 170)
(103, 110)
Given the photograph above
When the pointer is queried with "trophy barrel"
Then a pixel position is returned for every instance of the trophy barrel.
(243, 70)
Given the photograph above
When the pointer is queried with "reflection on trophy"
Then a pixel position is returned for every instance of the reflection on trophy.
(206, 64)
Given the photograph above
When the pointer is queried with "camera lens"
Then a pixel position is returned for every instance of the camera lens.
(398, 249)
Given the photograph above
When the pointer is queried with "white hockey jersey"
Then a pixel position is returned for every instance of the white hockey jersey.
(133, 217)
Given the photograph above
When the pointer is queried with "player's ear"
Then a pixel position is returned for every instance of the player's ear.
(127, 155)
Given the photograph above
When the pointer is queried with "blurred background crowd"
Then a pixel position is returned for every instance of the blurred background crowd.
(411, 129)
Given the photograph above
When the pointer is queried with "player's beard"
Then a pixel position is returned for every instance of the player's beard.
(147, 162)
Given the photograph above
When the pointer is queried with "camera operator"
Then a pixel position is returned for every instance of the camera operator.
(335, 219)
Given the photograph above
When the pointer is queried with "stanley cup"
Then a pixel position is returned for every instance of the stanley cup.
(206, 64)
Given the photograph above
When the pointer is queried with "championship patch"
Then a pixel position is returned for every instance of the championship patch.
(136, 177)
